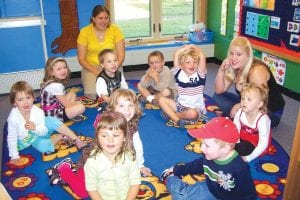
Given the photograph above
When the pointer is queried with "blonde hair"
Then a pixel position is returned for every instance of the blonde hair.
(20, 86)
(192, 52)
(114, 121)
(245, 45)
(262, 93)
(49, 68)
(129, 95)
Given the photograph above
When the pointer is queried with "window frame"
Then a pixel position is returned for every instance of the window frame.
(200, 16)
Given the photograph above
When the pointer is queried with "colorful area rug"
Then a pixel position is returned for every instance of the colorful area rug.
(164, 145)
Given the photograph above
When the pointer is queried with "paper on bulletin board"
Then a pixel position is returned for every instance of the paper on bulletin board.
(257, 25)
(223, 17)
(277, 67)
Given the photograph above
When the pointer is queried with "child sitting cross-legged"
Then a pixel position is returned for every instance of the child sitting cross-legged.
(158, 80)
(227, 174)
(190, 75)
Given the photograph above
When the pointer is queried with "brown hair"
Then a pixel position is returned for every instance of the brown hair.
(156, 53)
(20, 86)
(129, 95)
(262, 93)
(99, 9)
(49, 68)
(110, 121)
(115, 121)
(102, 54)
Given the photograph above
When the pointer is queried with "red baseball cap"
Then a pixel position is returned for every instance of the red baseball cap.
(220, 128)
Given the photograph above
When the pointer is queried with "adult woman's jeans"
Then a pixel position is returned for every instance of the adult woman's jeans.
(227, 100)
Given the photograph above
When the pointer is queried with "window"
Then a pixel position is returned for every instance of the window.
(149, 20)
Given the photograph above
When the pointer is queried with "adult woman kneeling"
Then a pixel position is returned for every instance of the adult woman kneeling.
(100, 34)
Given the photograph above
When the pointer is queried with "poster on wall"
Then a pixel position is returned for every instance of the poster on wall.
(257, 25)
(260, 4)
(276, 65)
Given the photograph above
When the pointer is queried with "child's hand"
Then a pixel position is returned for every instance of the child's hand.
(145, 171)
(16, 161)
(152, 73)
(30, 126)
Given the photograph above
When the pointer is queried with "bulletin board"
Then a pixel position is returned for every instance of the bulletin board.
(272, 26)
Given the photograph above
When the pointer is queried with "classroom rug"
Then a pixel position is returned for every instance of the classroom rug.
(164, 146)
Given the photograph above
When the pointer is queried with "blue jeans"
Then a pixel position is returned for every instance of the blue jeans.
(181, 190)
(226, 101)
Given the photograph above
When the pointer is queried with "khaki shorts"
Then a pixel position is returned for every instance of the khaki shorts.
(89, 83)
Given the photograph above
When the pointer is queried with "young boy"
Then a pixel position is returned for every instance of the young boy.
(227, 175)
(158, 80)
(190, 75)
(110, 78)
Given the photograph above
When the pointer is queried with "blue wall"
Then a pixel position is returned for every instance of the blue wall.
(21, 47)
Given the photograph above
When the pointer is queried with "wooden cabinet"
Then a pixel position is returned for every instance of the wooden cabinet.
(292, 188)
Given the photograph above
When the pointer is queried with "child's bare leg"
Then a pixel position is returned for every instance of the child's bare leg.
(143, 91)
(56, 139)
(71, 96)
(169, 107)
(189, 114)
(74, 110)
(164, 93)
(64, 130)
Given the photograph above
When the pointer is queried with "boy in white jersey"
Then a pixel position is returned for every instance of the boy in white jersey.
(190, 75)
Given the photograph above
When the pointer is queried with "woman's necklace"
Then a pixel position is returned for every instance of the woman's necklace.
(100, 35)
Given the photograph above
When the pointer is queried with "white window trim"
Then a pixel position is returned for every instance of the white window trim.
(200, 16)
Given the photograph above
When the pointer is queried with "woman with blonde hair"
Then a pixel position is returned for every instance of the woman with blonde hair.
(238, 68)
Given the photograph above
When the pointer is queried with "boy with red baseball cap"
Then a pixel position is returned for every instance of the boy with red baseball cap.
(227, 175)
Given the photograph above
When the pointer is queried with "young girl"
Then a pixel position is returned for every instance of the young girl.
(109, 78)
(253, 122)
(125, 101)
(111, 171)
(190, 75)
(54, 101)
(27, 125)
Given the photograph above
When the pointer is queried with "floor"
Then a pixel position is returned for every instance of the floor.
(283, 134)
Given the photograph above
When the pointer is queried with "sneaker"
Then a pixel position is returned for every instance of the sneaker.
(141, 99)
(64, 161)
(79, 143)
(182, 123)
(57, 180)
(164, 175)
(164, 115)
(79, 118)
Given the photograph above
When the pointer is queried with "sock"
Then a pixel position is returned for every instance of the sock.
(150, 98)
